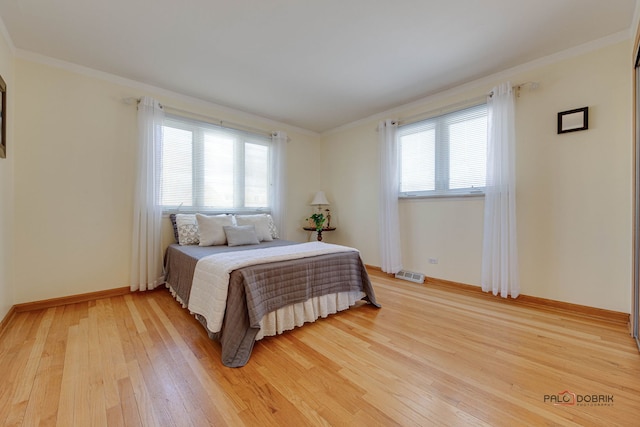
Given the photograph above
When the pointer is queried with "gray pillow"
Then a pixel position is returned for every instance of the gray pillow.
(241, 235)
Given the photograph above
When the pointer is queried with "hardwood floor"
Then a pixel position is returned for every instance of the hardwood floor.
(432, 355)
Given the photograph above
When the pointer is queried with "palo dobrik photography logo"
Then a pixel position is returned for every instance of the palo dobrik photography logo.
(569, 398)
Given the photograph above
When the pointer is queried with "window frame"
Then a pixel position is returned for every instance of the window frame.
(241, 138)
(442, 182)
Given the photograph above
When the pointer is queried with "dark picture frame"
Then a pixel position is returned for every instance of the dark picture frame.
(3, 119)
(573, 120)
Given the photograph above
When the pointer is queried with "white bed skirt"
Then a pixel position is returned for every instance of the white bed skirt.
(294, 315)
(291, 316)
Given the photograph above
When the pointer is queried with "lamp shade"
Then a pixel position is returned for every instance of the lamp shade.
(320, 199)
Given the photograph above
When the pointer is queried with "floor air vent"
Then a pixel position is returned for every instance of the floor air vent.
(410, 276)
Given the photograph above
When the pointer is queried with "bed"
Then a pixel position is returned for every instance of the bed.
(241, 294)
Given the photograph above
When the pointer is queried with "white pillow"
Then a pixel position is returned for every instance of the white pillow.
(210, 228)
(260, 222)
(241, 235)
(187, 229)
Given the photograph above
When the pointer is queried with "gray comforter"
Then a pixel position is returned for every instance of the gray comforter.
(257, 290)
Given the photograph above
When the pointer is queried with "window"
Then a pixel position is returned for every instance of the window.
(444, 155)
(211, 168)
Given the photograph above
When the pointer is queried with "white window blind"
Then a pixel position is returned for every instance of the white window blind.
(444, 155)
(206, 167)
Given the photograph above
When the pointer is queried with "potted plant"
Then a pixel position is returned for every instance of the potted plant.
(317, 219)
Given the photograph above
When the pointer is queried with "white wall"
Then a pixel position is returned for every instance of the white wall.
(74, 170)
(73, 164)
(573, 197)
(6, 186)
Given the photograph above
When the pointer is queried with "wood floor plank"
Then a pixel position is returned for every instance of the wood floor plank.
(432, 355)
(42, 407)
(82, 402)
(67, 394)
(98, 370)
(129, 405)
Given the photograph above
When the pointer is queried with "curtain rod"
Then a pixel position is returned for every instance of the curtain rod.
(534, 86)
(208, 119)
(443, 110)
(461, 104)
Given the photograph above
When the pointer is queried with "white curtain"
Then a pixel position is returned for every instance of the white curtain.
(390, 253)
(278, 190)
(500, 249)
(146, 262)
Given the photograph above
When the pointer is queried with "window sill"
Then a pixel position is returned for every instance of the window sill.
(443, 196)
(209, 211)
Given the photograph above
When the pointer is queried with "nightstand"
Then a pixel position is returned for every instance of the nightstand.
(319, 232)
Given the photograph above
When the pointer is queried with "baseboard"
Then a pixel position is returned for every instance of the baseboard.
(537, 302)
(72, 299)
(609, 315)
(7, 319)
(599, 313)
(377, 269)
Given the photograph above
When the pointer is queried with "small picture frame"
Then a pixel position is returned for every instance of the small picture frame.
(573, 120)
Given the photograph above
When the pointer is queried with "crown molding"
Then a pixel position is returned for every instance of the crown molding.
(146, 88)
(484, 83)
(7, 36)
(635, 20)
(481, 83)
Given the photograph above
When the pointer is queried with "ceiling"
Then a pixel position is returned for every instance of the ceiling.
(313, 64)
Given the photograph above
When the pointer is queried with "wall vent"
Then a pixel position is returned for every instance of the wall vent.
(410, 276)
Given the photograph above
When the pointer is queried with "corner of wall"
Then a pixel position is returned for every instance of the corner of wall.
(7, 179)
